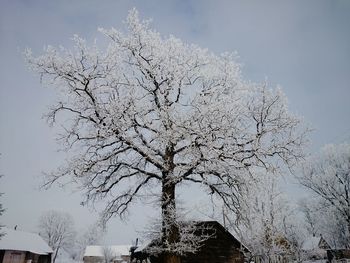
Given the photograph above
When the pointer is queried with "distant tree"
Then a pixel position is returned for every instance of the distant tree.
(91, 236)
(309, 207)
(323, 219)
(108, 254)
(328, 177)
(296, 234)
(57, 229)
(2, 210)
(154, 113)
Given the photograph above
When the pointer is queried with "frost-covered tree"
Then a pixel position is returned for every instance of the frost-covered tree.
(57, 229)
(268, 224)
(108, 255)
(150, 113)
(328, 177)
(323, 219)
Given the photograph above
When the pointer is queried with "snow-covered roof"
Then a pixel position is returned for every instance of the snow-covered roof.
(143, 246)
(97, 251)
(311, 243)
(24, 241)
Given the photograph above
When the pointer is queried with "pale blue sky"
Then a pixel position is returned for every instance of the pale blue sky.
(302, 45)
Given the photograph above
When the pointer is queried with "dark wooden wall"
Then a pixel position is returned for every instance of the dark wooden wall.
(221, 247)
(2, 253)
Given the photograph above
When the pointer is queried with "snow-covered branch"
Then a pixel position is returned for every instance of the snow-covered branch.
(327, 176)
(151, 111)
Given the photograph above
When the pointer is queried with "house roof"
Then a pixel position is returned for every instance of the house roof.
(24, 241)
(230, 234)
(142, 246)
(97, 251)
(311, 243)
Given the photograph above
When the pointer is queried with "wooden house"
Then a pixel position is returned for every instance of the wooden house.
(23, 247)
(341, 255)
(317, 248)
(220, 247)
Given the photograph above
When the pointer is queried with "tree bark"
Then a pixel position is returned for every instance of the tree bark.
(348, 234)
(55, 255)
(170, 231)
(170, 258)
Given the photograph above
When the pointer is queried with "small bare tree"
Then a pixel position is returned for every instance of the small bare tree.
(91, 236)
(57, 229)
(153, 112)
(108, 254)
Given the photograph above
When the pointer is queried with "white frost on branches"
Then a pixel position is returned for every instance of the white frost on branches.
(57, 229)
(154, 112)
(191, 234)
(92, 235)
(327, 176)
(269, 224)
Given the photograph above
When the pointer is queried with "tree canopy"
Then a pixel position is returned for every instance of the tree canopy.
(149, 113)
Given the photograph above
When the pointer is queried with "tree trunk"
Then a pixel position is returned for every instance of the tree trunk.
(170, 258)
(348, 234)
(170, 231)
(55, 255)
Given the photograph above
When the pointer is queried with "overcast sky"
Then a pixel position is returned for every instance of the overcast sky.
(304, 46)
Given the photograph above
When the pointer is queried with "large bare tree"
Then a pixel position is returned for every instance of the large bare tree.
(154, 112)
